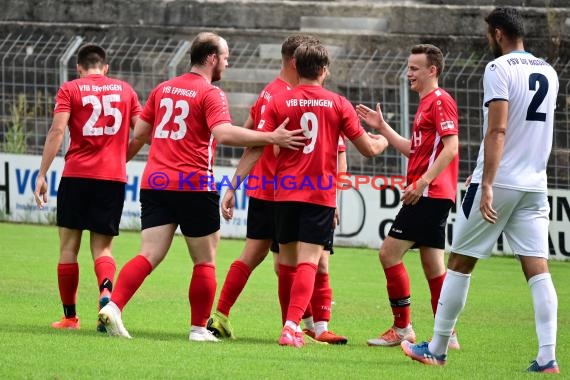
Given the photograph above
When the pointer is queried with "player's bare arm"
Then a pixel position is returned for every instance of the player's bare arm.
(415, 190)
(141, 136)
(375, 120)
(342, 168)
(246, 163)
(52, 145)
(370, 145)
(228, 134)
(494, 143)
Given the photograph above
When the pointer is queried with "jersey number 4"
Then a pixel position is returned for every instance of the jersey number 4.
(532, 114)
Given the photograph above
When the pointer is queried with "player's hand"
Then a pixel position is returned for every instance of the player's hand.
(414, 192)
(380, 142)
(40, 194)
(289, 139)
(228, 204)
(486, 205)
(374, 119)
(336, 219)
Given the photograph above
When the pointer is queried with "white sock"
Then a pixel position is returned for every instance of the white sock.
(293, 325)
(451, 302)
(197, 329)
(309, 323)
(545, 304)
(321, 327)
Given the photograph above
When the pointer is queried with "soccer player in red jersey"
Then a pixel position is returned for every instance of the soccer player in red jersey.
(430, 192)
(305, 194)
(260, 221)
(184, 117)
(99, 112)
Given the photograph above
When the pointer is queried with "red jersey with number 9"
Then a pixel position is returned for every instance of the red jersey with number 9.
(309, 174)
(183, 111)
(100, 111)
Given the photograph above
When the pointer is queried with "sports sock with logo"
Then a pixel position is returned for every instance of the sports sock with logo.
(435, 285)
(322, 298)
(68, 280)
(398, 285)
(451, 302)
(105, 269)
(545, 302)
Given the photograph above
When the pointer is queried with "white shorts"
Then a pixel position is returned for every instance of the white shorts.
(522, 216)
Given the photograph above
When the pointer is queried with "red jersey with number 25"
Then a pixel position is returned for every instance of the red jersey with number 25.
(264, 170)
(309, 174)
(100, 111)
(183, 111)
(436, 117)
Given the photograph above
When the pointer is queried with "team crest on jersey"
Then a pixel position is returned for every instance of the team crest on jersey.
(447, 125)
(261, 124)
(492, 67)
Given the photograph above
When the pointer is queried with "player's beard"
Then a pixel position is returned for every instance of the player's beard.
(217, 74)
(496, 48)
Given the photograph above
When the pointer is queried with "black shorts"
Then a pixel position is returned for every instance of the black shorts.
(260, 219)
(305, 222)
(327, 247)
(196, 212)
(90, 204)
(423, 223)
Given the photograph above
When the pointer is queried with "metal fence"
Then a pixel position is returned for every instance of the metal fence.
(33, 66)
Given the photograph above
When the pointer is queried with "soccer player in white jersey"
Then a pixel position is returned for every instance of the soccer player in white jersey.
(509, 187)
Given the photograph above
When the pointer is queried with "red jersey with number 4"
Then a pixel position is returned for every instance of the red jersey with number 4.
(262, 174)
(309, 174)
(436, 117)
(100, 111)
(183, 111)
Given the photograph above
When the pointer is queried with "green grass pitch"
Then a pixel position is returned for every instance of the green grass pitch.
(496, 329)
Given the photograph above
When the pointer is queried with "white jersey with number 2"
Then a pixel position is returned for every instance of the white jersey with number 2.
(530, 85)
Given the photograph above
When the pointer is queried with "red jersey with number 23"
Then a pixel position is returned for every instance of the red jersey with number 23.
(436, 117)
(309, 174)
(183, 111)
(100, 111)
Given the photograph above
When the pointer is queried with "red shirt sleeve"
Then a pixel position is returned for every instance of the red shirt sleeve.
(63, 99)
(216, 108)
(351, 127)
(148, 114)
(445, 116)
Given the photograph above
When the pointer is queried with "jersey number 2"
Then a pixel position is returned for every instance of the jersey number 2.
(168, 104)
(89, 128)
(531, 113)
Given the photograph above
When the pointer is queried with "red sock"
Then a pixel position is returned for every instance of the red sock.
(68, 280)
(301, 291)
(398, 284)
(435, 285)
(233, 286)
(308, 311)
(322, 298)
(284, 283)
(130, 279)
(105, 269)
(201, 293)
